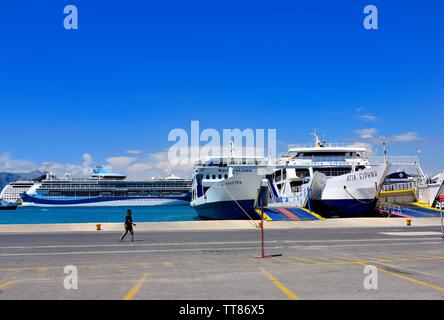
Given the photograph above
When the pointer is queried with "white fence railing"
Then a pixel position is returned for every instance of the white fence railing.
(328, 145)
(399, 186)
(389, 209)
(395, 160)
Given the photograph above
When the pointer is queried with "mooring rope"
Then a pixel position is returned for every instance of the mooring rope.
(361, 201)
(232, 197)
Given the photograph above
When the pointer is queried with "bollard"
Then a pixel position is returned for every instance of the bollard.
(409, 221)
(98, 227)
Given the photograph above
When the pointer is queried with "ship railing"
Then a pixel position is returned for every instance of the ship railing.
(328, 145)
(395, 160)
(231, 163)
(400, 186)
(389, 209)
(350, 160)
(327, 159)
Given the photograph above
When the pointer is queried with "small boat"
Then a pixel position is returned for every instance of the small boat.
(8, 205)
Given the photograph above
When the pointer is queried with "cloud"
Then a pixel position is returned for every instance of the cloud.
(370, 148)
(134, 151)
(406, 137)
(161, 162)
(9, 164)
(140, 167)
(145, 166)
(368, 133)
(367, 117)
(120, 161)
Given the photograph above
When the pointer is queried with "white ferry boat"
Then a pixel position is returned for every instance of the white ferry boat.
(105, 188)
(226, 188)
(332, 180)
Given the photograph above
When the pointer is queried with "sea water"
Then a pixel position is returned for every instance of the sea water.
(41, 215)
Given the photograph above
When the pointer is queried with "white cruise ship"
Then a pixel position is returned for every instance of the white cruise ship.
(12, 191)
(105, 188)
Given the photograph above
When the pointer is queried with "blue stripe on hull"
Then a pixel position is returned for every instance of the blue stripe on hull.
(345, 208)
(227, 210)
(43, 201)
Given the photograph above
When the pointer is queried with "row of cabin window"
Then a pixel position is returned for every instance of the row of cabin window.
(213, 177)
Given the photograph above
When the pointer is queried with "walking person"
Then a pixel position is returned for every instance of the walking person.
(128, 226)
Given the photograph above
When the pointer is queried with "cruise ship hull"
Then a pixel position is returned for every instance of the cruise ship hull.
(34, 201)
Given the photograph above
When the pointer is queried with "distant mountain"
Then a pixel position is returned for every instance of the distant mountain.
(7, 177)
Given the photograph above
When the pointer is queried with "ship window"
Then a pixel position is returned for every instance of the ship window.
(333, 172)
(302, 173)
(213, 177)
(278, 175)
(220, 176)
(208, 177)
(226, 176)
(296, 186)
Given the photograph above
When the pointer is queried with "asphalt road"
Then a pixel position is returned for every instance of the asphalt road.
(316, 264)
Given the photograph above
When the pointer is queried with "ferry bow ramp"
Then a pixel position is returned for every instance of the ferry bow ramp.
(289, 214)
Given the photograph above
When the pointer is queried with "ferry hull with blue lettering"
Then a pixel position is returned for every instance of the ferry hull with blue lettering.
(351, 195)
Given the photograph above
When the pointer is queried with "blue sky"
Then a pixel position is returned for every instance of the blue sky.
(137, 69)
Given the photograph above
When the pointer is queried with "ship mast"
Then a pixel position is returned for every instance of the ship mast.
(232, 148)
(318, 143)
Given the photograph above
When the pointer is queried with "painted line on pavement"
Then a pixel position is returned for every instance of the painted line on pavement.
(409, 270)
(290, 294)
(132, 245)
(411, 234)
(410, 279)
(7, 283)
(208, 249)
(134, 290)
